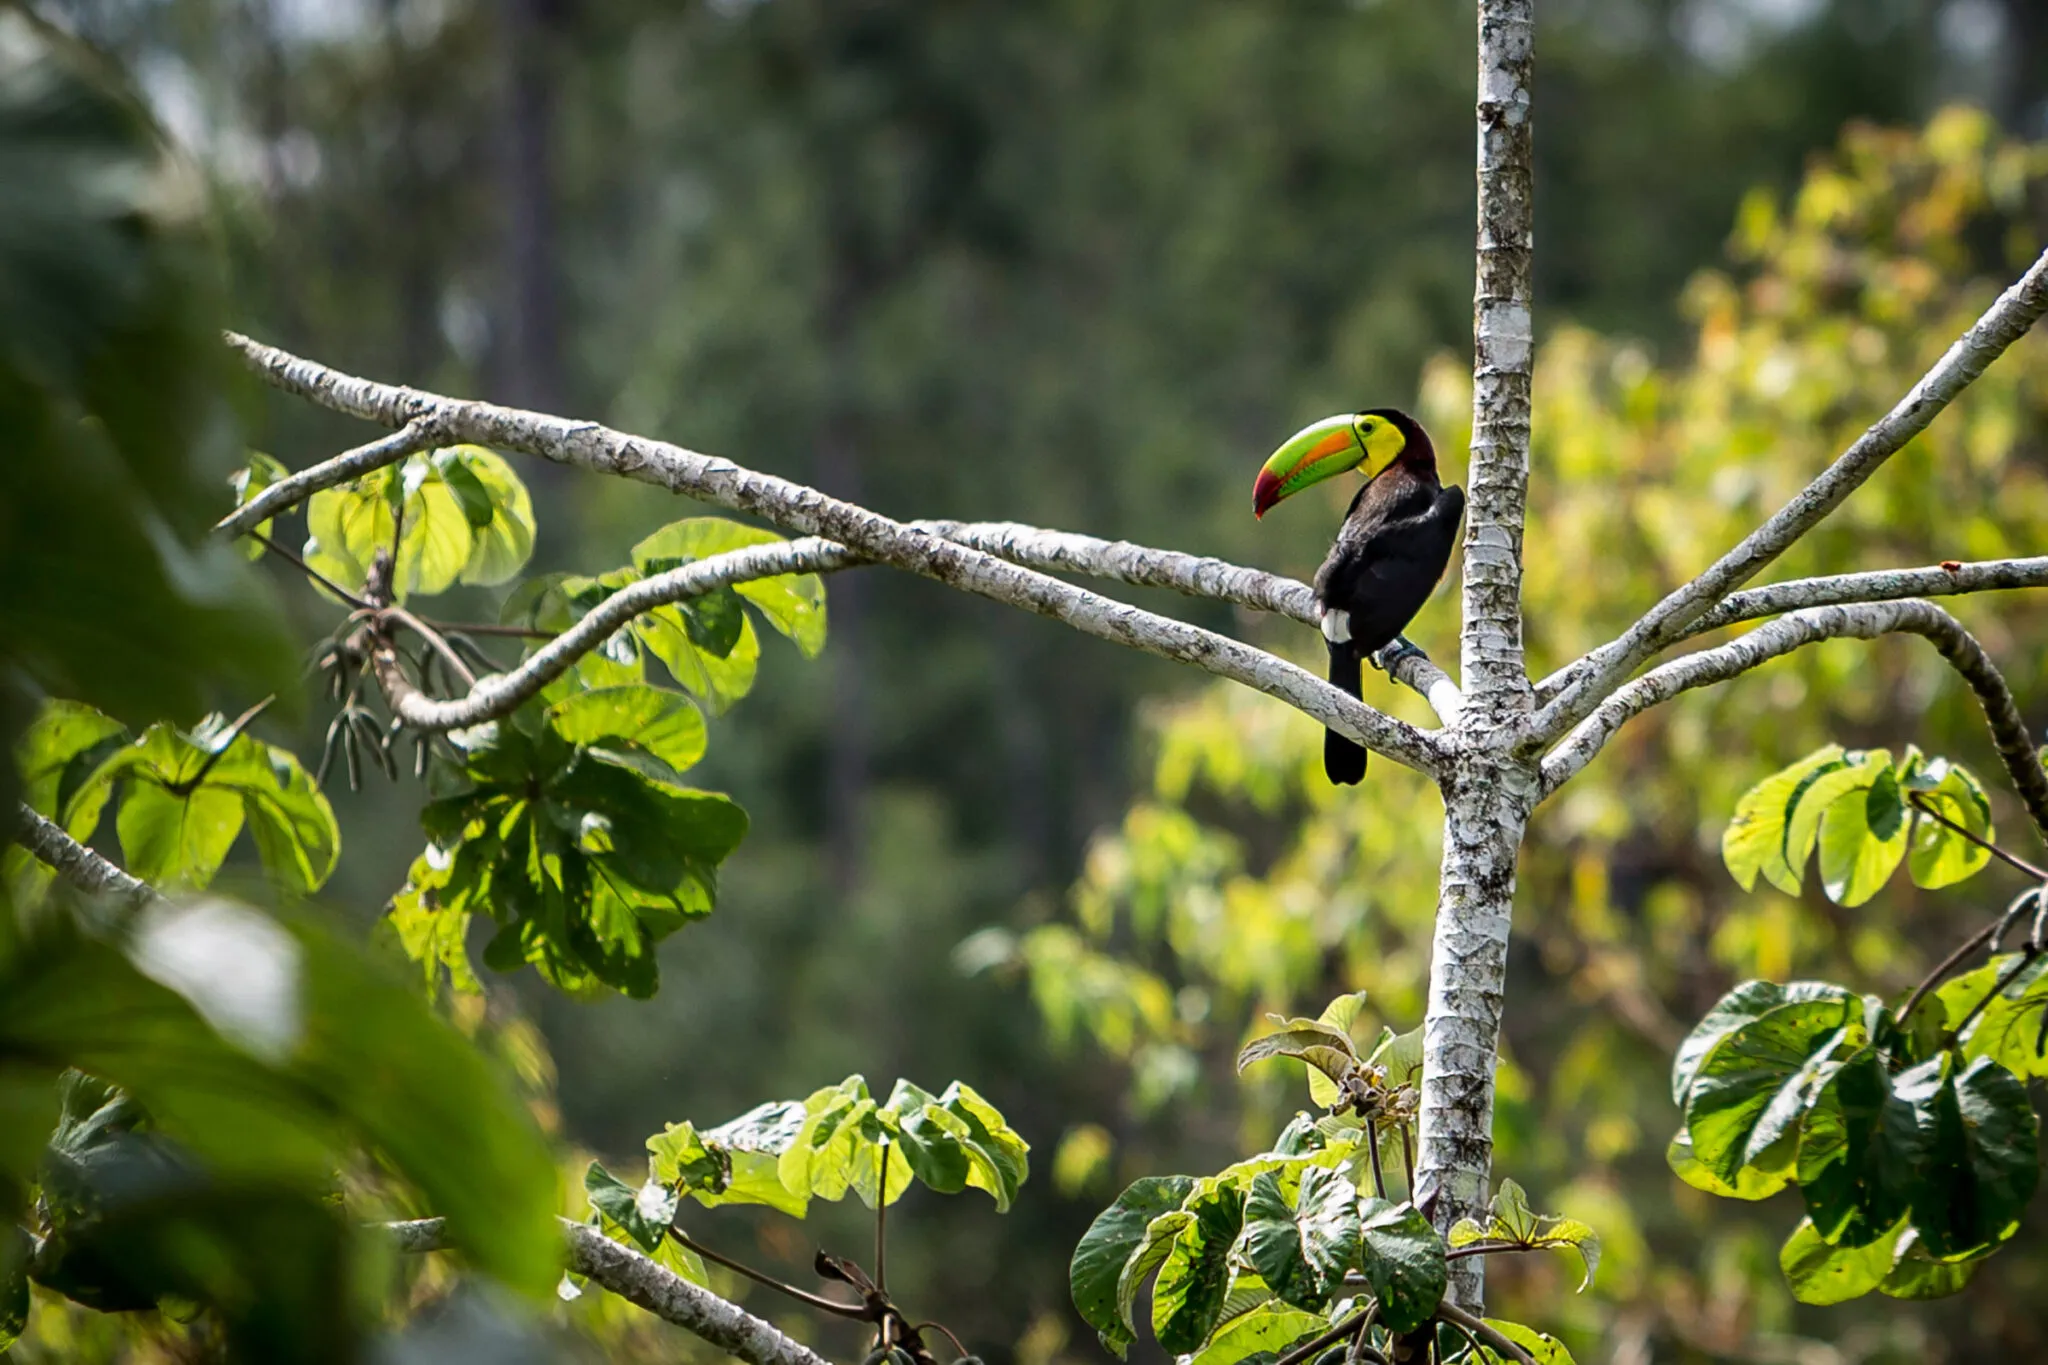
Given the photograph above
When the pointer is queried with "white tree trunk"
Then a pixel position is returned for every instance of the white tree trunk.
(1490, 790)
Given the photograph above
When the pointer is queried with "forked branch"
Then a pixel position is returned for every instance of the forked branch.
(878, 539)
(1590, 680)
(1951, 579)
(1864, 621)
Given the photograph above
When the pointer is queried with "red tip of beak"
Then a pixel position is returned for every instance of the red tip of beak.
(1265, 493)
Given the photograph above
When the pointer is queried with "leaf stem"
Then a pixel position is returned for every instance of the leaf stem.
(2027, 957)
(308, 570)
(1335, 1334)
(948, 1333)
(1989, 934)
(1480, 1328)
(433, 638)
(2038, 874)
(221, 743)
(858, 1312)
(1372, 1145)
(882, 1223)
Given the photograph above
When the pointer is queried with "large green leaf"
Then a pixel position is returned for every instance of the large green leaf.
(1982, 1154)
(1749, 1183)
(1187, 1299)
(1860, 1151)
(1111, 1240)
(1940, 856)
(1754, 841)
(1863, 838)
(1302, 1248)
(263, 1049)
(1403, 1260)
(457, 514)
(1817, 794)
(1270, 1328)
(644, 1214)
(1738, 1085)
(185, 797)
(1822, 1273)
(2009, 1029)
(661, 724)
(1743, 1005)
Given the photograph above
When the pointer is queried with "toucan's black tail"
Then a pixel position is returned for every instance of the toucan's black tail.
(1343, 761)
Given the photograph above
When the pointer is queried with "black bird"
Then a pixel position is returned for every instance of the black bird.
(1390, 552)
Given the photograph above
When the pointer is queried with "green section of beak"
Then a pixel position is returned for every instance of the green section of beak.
(1319, 451)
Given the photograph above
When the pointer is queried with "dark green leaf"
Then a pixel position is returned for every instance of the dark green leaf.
(1821, 1273)
(1187, 1299)
(1403, 1260)
(1115, 1235)
(644, 1214)
(1982, 1157)
(1860, 1151)
(1745, 1004)
(1302, 1249)
(1742, 1076)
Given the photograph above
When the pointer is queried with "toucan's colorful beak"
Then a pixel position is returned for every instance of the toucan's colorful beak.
(1314, 453)
(1265, 492)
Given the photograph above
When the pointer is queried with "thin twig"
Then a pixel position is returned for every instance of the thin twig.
(308, 570)
(1479, 1327)
(1335, 1334)
(487, 628)
(858, 1312)
(882, 1223)
(1486, 1249)
(220, 744)
(433, 638)
(1372, 1145)
(2027, 957)
(1408, 1160)
(948, 1333)
(1919, 803)
(1989, 934)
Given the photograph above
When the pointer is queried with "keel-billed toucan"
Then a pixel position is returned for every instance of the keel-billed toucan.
(1390, 551)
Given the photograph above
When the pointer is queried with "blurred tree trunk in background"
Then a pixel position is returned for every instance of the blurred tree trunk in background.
(530, 357)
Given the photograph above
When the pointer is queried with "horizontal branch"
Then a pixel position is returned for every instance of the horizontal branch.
(1879, 585)
(876, 538)
(288, 492)
(642, 1282)
(1863, 621)
(1597, 674)
(50, 844)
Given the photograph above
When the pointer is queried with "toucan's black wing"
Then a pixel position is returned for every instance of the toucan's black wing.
(1388, 559)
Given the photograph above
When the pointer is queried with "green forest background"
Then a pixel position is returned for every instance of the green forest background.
(1083, 264)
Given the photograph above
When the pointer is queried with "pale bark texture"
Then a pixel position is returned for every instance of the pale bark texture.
(1488, 797)
(640, 1281)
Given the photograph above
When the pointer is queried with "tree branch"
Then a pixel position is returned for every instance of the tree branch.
(282, 496)
(879, 539)
(1597, 674)
(640, 1281)
(1865, 621)
(1881, 585)
(49, 843)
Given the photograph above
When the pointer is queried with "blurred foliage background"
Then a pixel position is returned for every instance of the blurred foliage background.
(1084, 264)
